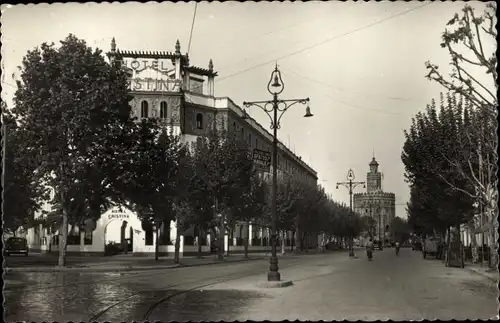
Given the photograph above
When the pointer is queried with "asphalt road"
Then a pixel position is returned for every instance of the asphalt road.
(37, 259)
(326, 286)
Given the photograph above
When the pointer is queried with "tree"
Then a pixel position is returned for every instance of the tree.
(222, 164)
(477, 160)
(478, 35)
(22, 192)
(249, 203)
(399, 229)
(72, 107)
(430, 143)
(151, 180)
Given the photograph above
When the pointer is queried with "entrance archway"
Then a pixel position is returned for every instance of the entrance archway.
(116, 225)
(121, 233)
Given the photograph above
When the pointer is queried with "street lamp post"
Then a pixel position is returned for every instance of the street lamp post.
(275, 112)
(350, 186)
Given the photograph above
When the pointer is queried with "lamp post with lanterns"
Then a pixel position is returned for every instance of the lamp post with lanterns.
(351, 185)
(275, 109)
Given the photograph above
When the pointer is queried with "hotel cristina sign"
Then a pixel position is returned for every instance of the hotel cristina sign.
(117, 214)
(156, 76)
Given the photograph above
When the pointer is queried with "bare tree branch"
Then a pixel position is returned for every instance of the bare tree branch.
(457, 188)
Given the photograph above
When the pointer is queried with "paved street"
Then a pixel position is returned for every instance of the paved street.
(46, 263)
(326, 286)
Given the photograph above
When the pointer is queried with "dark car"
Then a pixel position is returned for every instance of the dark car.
(16, 245)
(416, 246)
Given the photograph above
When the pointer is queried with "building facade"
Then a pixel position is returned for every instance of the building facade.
(164, 85)
(376, 204)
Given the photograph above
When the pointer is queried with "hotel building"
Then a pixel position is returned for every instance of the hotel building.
(164, 85)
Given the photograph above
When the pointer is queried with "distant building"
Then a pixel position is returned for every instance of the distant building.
(164, 85)
(376, 204)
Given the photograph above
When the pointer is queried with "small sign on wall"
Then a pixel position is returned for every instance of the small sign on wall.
(262, 160)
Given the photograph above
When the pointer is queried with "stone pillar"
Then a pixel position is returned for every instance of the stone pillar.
(208, 241)
(226, 242)
(173, 231)
(178, 61)
(82, 240)
(210, 85)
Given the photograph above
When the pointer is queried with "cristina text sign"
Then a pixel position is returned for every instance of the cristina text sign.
(151, 84)
(118, 216)
(152, 75)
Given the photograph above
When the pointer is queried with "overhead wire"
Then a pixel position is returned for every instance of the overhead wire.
(308, 20)
(192, 26)
(350, 104)
(322, 42)
(347, 90)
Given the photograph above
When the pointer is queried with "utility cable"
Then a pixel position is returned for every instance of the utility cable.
(308, 20)
(342, 89)
(192, 27)
(352, 105)
(322, 42)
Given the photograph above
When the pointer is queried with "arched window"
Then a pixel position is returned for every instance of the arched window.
(144, 109)
(163, 110)
(199, 121)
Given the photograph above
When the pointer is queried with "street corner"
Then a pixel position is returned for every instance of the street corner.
(489, 273)
(275, 284)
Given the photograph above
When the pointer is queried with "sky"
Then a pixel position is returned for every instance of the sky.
(360, 63)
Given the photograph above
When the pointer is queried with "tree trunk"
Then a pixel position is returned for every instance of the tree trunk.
(302, 242)
(157, 242)
(247, 237)
(283, 241)
(473, 244)
(177, 243)
(222, 231)
(493, 238)
(63, 242)
(199, 231)
(229, 235)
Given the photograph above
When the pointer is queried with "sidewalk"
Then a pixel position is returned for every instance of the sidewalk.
(127, 263)
(490, 273)
(122, 263)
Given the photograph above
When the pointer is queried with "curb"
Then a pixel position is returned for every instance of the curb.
(121, 268)
(478, 272)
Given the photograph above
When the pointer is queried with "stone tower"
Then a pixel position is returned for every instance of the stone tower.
(376, 204)
(373, 178)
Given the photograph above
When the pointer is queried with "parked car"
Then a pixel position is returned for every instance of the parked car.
(15, 245)
(430, 247)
